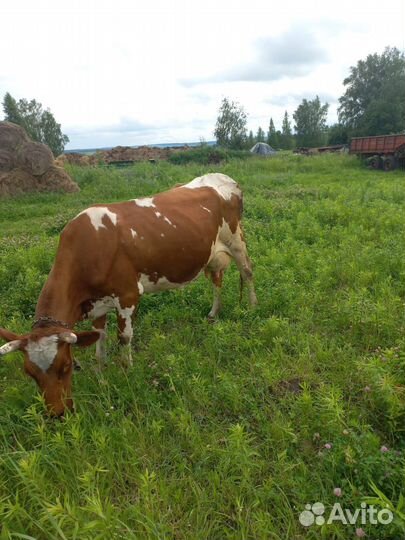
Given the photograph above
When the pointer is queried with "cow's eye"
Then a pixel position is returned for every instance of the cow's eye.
(67, 366)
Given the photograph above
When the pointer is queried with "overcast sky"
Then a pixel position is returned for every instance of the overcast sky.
(129, 72)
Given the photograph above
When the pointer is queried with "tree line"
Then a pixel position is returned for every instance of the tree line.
(373, 104)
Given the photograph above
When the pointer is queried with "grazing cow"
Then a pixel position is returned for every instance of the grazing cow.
(111, 254)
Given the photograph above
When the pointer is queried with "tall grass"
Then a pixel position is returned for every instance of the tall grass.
(219, 431)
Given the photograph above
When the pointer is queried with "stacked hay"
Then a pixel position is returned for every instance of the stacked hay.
(28, 166)
(73, 158)
(142, 153)
(118, 154)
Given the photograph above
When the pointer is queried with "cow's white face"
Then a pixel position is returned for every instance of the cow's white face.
(44, 351)
(48, 360)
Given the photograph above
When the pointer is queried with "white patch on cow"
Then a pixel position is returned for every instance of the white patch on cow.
(108, 303)
(145, 202)
(222, 184)
(126, 314)
(168, 221)
(162, 235)
(158, 214)
(43, 352)
(204, 208)
(140, 288)
(101, 307)
(96, 215)
(162, 284)
(142, 238)
(134, 233)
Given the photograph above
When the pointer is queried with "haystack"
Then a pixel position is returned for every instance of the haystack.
(12, 136)
(27, 166)
(6, 160)
(34, 157)
(18, 182)
(117, 154)
(57, 179)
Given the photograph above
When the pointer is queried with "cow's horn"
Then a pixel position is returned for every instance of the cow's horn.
(9, 347)
(68, 337)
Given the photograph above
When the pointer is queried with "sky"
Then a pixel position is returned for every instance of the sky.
(130, 73)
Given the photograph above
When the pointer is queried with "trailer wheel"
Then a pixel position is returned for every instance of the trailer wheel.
(389, 163)
(375, 162)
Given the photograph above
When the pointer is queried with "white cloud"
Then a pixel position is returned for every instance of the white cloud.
(289, 55)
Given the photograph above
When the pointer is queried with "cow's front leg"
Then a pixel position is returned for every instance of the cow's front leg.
(125, 312)
(100, 324)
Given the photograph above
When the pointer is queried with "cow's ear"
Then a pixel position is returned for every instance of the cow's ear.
(85, 339)
(7, 335)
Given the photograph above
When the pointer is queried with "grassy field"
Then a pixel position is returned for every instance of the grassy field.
(222, 430)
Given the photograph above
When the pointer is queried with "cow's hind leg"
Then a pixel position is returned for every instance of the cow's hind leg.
(100, 324)
(215, 271)
(238, 249)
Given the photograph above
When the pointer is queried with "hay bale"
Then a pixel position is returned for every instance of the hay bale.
(12, 136)
(34, 157)
(6, 160)
(19, 181)
(16, 182)
(27, 166)
(56, 179)
(73, 158)
(60, 161)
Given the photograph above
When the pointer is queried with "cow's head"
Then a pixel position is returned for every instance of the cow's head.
(48, 359)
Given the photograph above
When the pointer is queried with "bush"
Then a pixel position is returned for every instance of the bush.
(206, 155)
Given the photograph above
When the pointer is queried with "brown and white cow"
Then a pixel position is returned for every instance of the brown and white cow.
(111, 254)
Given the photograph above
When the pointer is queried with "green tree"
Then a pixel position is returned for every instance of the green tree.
(52, 133)
(250, 140)
(286, 138)
(230, 129)
(260, 135)
(40, 125)
(310, 122)
(374, 103)
(10, 108)
(338, 134)
(272, 137)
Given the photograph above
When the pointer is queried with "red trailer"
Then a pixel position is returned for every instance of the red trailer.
(383, 151)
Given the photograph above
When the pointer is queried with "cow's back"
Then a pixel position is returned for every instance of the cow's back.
(168, 237)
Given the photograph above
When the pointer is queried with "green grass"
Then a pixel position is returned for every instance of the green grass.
(218, 431)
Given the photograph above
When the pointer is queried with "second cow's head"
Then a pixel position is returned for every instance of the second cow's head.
(48, 359)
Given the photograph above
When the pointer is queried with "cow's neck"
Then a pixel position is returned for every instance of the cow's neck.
(59, 300)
